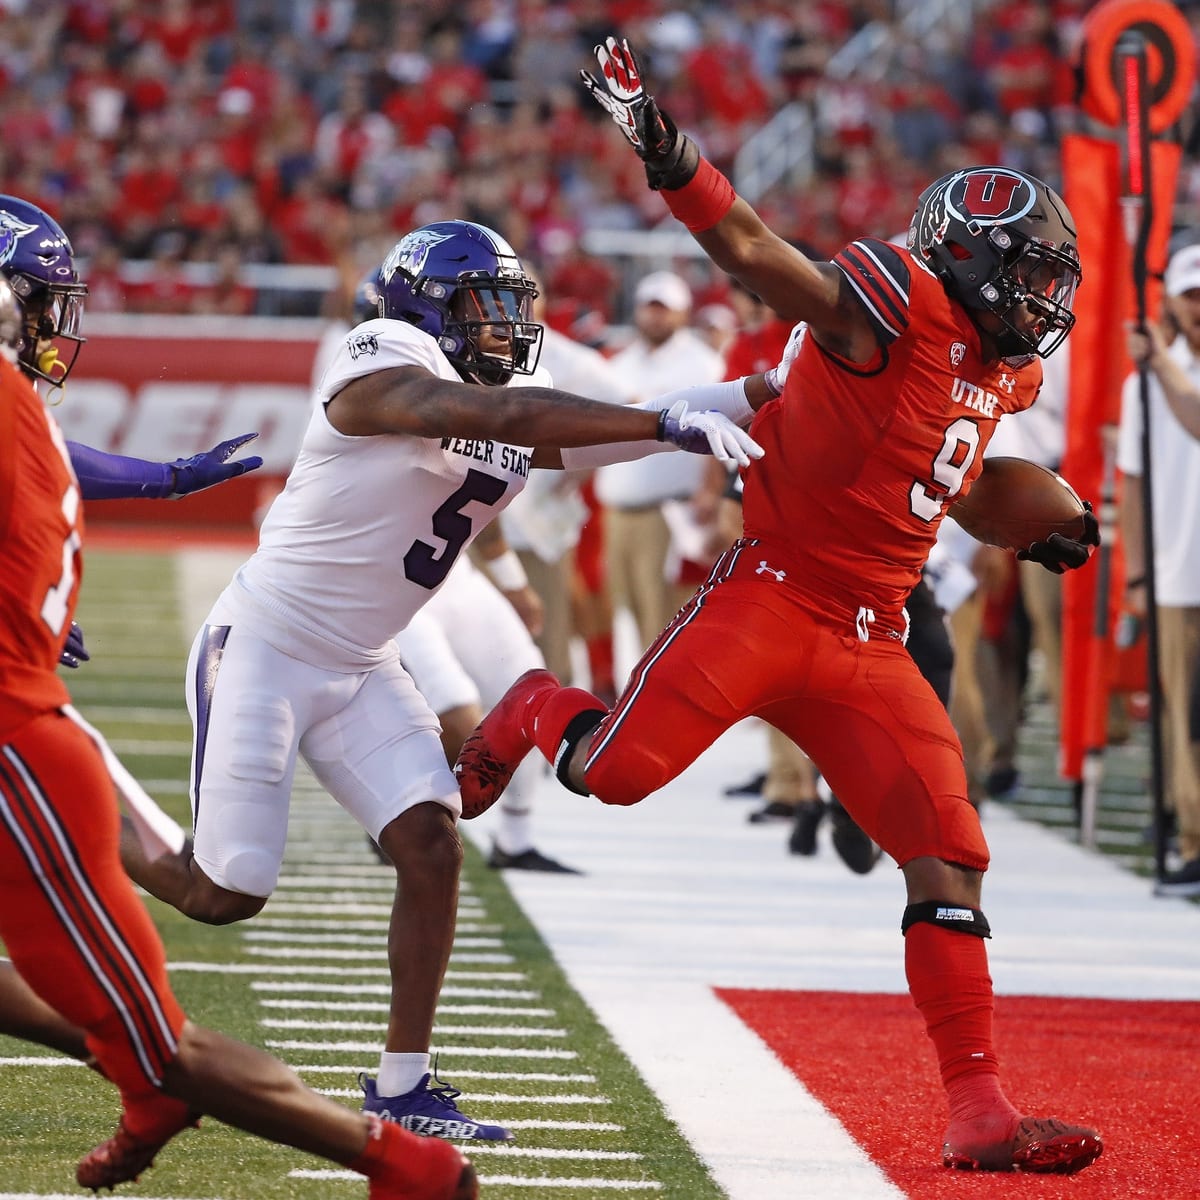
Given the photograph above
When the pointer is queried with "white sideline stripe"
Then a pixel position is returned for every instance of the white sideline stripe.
(267, 922)
(300, 952)
(334, 899)
(568, 1126)
(531, 1031)
(383, 989)
(353, 910)
(40, 1060)
(503, 1151)
(359, 882)
(351, 939)
(139, 746)
(264, 969)
(516, 1181)
(377, 1006)
(444, 1051)
(598, 1185)
(99, 713)
(506, 1076)
(487, 1098)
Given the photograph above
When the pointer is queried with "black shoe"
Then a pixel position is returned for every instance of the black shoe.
(777, 810)
(1002, 783)
(854, 848)
(752, 787)
(1183, 882)
(803, 838)
(528, 860)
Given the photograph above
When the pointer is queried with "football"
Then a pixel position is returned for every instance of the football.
(1015, 503)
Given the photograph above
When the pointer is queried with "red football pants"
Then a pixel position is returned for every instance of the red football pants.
(748, 644)
(69, 916)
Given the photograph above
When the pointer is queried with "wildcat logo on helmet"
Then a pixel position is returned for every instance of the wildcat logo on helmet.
(989, 197)
(409, 253)
(11, 232)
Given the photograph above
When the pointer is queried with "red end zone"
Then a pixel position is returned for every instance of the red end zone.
(1129, 1068)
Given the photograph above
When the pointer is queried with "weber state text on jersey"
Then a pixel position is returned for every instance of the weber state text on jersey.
(367, 528)
(863, 459)
(41, 532)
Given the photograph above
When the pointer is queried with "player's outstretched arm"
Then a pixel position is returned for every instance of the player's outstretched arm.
(731, 232)
(413, 401)
(117, 477)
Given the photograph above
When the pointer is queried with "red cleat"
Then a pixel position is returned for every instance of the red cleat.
(1043, 1146)
(123, 1157)
(494, 751)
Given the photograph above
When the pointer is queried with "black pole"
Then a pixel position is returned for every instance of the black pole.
(1138, 200)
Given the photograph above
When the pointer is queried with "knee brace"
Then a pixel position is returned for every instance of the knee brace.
(957, 917)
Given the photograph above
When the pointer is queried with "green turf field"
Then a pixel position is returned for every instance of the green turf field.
(307, 978)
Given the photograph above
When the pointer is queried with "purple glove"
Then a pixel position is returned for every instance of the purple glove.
(707, 433)
(211, 467)
(105, 476)
(74, 652)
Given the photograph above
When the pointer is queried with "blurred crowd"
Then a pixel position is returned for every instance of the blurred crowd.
(234, 132)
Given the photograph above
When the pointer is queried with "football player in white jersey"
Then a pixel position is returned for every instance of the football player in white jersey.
(463, 650)
(414, 444)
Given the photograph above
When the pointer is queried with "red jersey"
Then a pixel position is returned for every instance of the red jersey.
(863, 459)
(41, 530)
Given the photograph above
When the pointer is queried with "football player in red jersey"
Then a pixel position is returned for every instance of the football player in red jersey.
(911, 359)
(69, 917)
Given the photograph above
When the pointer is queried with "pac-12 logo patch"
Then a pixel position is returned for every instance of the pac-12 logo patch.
(958, 351)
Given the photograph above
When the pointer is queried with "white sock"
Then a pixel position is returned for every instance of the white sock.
(400, 1073)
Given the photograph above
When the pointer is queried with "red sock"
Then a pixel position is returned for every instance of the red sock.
(950, 985)
(600, 663)
(550, 722)
(396, 1156)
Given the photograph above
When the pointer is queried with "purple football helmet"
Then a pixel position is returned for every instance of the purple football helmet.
(36, 259)
(456, 280)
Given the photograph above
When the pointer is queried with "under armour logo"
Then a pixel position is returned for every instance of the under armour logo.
(763, 569)
(865, 618)
(1007, 382)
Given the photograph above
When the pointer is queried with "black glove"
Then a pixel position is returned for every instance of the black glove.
(73, 651)
(1058, 553)
(671, 157)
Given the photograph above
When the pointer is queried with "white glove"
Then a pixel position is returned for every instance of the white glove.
(776, 377)
(708, 432)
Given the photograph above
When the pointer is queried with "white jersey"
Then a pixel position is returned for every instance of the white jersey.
(367, 528)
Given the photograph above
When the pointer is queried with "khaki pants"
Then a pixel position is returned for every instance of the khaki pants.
(791, 777)
(636, 541)
(552, 582)
(1179, 663)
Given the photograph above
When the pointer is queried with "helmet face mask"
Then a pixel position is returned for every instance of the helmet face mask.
(37, 261)
(464, 285)
(1004, 244)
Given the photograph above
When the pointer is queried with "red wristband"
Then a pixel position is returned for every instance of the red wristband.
(703, 200)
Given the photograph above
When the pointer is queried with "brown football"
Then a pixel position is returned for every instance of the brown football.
(1015, 503)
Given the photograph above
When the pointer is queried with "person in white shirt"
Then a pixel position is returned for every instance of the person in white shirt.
(1174, 417)
(664, 355)
(413, 446)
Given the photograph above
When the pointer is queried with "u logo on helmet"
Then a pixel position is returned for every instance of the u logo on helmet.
(989, 197)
